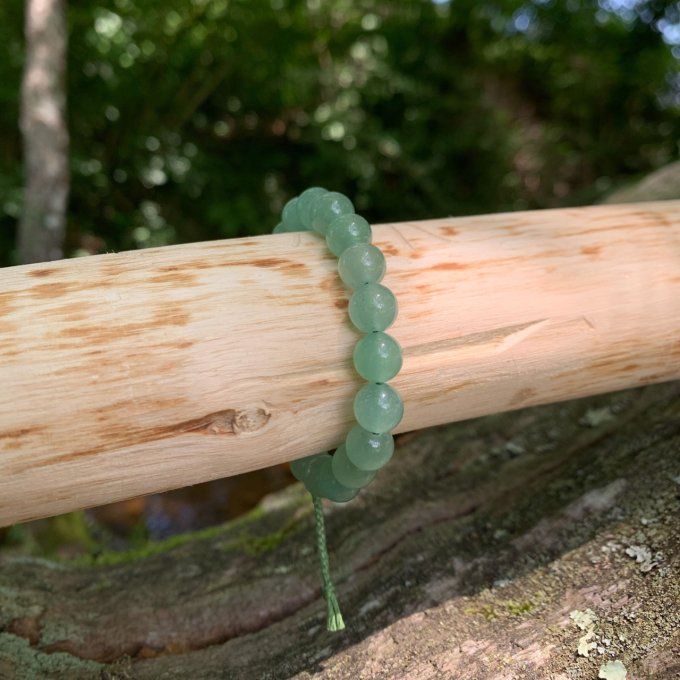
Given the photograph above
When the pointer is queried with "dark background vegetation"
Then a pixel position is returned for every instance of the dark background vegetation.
(198, 119)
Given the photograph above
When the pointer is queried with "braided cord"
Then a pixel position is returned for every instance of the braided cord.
(334, 620)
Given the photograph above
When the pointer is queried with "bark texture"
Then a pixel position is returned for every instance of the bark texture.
(536, 544)
(492, 548)
(43, 125)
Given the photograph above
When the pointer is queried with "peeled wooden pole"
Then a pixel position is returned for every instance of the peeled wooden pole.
(137, 372)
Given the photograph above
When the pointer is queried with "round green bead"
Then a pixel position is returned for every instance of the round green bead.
(290, 216)
(378, 407)
(377, 357)
(300, 467)
(346, 231)
(367, 450)
(361, 263)
(347, 473)
(321, 481)
(327, 208)
(280, 228)
(306, 202)
(372, 308)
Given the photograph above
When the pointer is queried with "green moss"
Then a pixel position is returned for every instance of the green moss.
(258, 545)
(242, 538)
(71, 529)
(14, 606)
(19, 660)
(490, 612)
(519, 608)
(55, 630)
(157, 547)
(486, 611)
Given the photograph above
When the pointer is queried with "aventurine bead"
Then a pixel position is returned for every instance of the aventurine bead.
(300, 467)
(367, 450)
(377, 357)
(327, 207)
(378, 407)
(321, 481)
(360, 264)
(347, 473)
(290, 216)
(372, 307)
(306, 202)
(279, 228)
(345, 231)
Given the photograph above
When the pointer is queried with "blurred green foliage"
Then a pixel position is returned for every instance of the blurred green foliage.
(198, 119)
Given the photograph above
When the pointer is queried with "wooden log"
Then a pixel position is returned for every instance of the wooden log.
(132, 373)
(464, 559)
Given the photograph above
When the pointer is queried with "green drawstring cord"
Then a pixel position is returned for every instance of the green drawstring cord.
(334, 621)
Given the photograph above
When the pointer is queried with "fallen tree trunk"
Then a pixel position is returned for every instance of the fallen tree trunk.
(133, 373)
(475, 554)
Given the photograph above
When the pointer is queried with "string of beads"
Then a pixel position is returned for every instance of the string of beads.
(378, 408)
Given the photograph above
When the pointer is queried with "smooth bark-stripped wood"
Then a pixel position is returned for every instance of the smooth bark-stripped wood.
(137, 372)
(463, 560)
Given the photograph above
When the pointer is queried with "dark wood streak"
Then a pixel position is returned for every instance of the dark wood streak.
(56, 289)
(20, 433)
(591, 250)
(445, 266)
(183, 278)
(108, 273)
(330, 283)
(233, 422)
(193, 265)
(481, 265)
(461, 386)
(288, 266)
(265, 262)
(7, 302)
(107, 334)
(39, 273)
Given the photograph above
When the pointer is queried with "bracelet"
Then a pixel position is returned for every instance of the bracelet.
(378, 408)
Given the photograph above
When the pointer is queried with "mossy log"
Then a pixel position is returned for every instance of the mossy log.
(477, 553)
(542, 543)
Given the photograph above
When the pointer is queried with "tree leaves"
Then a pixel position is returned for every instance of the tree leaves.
(208, 116)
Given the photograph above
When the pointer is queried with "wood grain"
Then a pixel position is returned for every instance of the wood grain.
(132, 373)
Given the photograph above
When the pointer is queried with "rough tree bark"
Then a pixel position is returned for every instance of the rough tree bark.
(45, 134)
(500, 547)
(464, 559)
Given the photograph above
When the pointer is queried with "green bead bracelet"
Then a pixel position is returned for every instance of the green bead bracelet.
(378, 408)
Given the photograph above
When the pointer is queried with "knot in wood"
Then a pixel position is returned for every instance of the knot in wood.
(234, 421)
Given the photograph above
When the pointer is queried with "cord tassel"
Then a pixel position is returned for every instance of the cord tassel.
(334, 621)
